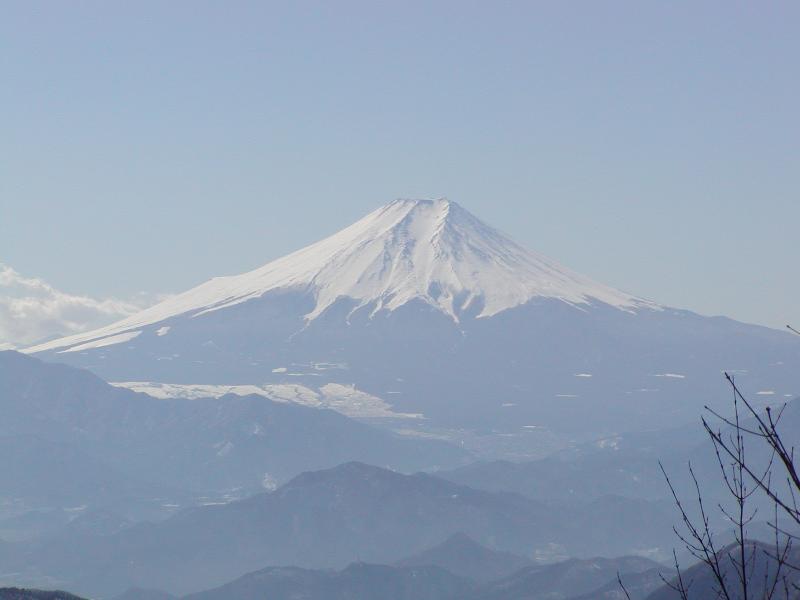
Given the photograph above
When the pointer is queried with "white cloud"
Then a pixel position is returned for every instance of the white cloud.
(32, 310)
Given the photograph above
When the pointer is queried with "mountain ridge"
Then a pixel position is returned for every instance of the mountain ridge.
(401, 309)
(429, 250)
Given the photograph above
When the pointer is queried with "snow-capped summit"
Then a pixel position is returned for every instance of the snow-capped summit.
(435, 251)
(429, 250)
(421, 312)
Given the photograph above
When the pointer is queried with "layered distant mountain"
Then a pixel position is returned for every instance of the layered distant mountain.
(589, 579)
(361, 581)
(564, 580)
(465, 557)
(560, 581)
(423, 309)
(329, 519)
(68, 439)
(629, 465)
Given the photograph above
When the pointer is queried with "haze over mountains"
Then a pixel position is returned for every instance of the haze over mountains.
(243, 356)
(329, 519)
(416, 407)
(72, 439)
(87, 465)
(423, 308)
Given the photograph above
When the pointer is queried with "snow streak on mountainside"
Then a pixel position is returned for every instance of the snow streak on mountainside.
(428, 250)
(344, 399)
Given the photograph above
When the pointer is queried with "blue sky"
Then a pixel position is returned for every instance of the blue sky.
(147, 146)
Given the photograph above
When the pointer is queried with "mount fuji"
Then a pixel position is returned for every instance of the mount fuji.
(423, 316)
